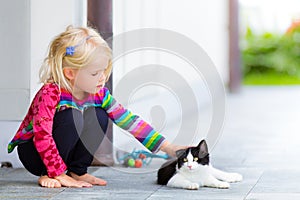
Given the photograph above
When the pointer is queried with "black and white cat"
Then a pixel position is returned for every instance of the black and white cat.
(191, 169)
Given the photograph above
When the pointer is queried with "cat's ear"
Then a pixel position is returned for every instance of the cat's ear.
(203, 149)
(180, 152)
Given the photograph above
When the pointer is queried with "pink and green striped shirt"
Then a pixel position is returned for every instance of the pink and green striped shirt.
(51, 99)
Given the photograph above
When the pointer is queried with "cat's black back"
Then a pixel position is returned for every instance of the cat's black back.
(168, 169)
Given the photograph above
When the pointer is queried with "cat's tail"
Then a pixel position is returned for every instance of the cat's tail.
(166, 171)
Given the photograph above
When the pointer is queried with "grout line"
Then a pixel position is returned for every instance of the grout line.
(58, 193)
(254, 186)
(154, 192)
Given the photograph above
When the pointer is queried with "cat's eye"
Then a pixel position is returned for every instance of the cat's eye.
(185, 160)
(195, 159)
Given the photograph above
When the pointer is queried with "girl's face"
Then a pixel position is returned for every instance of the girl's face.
(91, 78)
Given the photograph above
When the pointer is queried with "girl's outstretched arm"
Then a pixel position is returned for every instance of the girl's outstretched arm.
(130, 122)
(171, 149)
(134, 124)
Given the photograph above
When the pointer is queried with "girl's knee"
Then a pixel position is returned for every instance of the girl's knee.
(70, 119)
(93, 117)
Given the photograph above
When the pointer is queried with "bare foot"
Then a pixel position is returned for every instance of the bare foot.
(89, 178)
(68, 181)
(45, 181)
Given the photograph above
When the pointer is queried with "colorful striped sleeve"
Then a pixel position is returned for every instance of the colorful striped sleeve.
(132, 123)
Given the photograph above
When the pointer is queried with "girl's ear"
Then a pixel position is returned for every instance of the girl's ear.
(69, 73)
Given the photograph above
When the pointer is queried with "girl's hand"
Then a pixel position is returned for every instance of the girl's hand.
(68, 181)
(171, 149)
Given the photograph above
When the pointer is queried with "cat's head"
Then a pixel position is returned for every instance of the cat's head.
(193, 157)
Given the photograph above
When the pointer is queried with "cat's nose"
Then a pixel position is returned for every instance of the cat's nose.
(190, 166)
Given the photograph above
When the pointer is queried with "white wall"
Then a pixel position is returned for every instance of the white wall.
(14, 70)
(48, 19)
(204, 22)
(15, 58)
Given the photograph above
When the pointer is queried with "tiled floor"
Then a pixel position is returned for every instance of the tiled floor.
(260, 140)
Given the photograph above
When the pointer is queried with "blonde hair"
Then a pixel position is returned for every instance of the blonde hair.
(86, 40)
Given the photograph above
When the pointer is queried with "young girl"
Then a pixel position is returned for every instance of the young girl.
(68, 117)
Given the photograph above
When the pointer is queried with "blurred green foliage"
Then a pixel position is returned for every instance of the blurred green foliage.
(271, 53)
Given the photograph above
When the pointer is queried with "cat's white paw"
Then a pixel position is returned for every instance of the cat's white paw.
(193, 186)
(222, 185)
(234, 177)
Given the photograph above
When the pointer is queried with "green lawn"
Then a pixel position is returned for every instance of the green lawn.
(271, 79)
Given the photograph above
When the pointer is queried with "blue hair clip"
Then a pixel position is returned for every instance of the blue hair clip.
(70, 51)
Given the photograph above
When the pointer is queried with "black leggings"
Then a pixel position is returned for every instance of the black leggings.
(77, 136)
